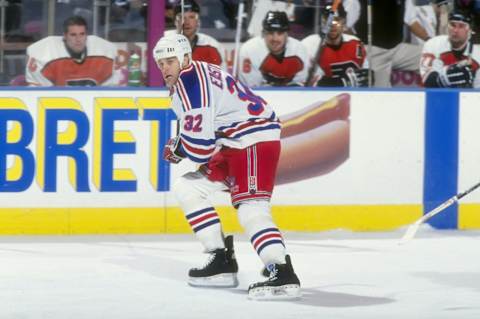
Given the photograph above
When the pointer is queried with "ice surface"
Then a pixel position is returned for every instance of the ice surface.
(343, 275)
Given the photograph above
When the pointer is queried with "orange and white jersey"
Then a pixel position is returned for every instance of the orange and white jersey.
(205, 48)
(215, 109)
(335, 61)
(437, 53)
(50, 64)
(259, 67)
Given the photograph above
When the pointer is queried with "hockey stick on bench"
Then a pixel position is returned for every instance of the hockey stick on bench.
(413, 228)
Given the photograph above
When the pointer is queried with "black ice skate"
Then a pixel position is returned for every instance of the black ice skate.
(283, 283)
(219, 271)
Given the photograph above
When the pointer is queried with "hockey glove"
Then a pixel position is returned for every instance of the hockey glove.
(172, 151)
(456, 76)
(355, 78)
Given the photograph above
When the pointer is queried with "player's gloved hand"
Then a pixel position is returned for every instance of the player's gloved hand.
(456, 76)
(172, 152)
(355, 78)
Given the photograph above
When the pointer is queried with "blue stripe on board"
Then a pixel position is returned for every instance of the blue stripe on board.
(441, 155)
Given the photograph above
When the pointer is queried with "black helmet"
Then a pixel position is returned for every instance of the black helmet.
(276, 21)
(188, 5)
(458, 15)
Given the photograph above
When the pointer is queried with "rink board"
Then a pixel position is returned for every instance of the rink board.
(469, 159)
(118, 183)
(141, 220)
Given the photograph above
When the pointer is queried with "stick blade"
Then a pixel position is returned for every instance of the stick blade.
(409, 234)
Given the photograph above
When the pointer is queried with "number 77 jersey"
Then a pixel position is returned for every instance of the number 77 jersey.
(214, 110)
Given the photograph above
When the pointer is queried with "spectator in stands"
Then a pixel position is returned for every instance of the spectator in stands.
(274, 58)
(128, 21)
(426, 15)
(169, 14)
(305, 14)
(204, 47)
(74, 59)
(341, 61)
(65, 9)
(352, 10)
(452, 60)
(388, 50)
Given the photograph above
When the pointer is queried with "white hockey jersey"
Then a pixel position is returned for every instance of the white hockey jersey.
(437, 53)
(259, 67)
(214, 110)
(49, 63)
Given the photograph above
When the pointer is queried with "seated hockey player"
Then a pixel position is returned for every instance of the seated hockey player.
(74, 59)
(235, 136)
(451, 60)
(273, 59)
(342, 60)
(204, 47)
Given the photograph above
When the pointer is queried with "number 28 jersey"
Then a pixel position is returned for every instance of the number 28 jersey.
(214, 110)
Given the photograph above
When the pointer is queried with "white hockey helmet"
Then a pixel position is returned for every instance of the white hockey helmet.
(175, 45)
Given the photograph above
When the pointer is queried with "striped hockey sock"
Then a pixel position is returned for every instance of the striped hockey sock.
(206, 225)
(268, 243)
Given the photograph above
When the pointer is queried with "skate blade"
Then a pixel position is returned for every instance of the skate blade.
(217, 281)
(286, 292)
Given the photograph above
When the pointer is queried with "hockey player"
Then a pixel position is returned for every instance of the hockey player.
(76, 59)
(216, 112)
(204, 47)
(342, 60)
(451, 60)
(274, 58)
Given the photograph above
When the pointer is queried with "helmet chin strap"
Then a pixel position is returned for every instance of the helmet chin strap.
(183, 64)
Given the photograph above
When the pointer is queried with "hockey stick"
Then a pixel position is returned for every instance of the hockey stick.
(182, 8)
(238, 36)
(413, 228)
(182, 12)
(323, 35)
(470, 47)
(369, 39)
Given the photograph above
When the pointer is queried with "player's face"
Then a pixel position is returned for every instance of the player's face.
(275, 40)
(170, 68)
(458, 33)
(190, 23)
(76, 38)
(336, 30)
